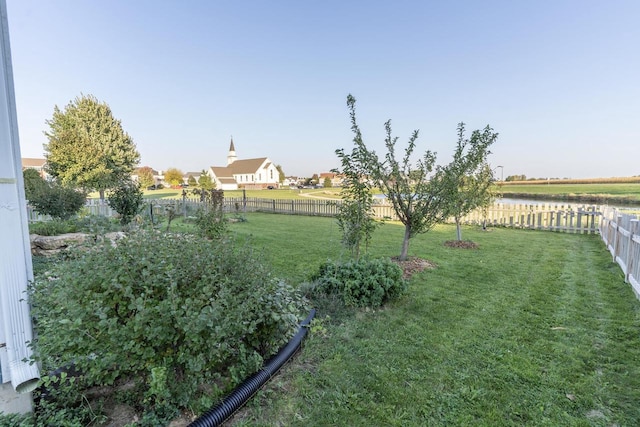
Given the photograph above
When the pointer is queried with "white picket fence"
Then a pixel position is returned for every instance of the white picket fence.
(569, 218)
(551, 217)
(621, 233)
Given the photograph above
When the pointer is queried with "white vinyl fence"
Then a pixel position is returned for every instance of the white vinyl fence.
(569, 218)
(621, 233)
(551, 217)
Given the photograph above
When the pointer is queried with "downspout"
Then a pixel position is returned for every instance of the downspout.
(15, 249)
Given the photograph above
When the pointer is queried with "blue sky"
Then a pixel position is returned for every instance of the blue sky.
(558, 80)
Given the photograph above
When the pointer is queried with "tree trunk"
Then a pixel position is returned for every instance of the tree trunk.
(102, 195)
(458, 230)
(405, 243)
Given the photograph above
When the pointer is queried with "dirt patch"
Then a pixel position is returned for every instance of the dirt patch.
(413, 265)
(461, 244)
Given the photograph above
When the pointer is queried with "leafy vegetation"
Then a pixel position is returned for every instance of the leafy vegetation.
(533, 328)
(359, 283)
(205, 182)
(355, 213)
(51, 198)
(127, 200)
(173, 176)
(210, 219)
(53, 227)
(145, 176)
(87, 146)
(174, 315)
(469, 178)
(421, 194)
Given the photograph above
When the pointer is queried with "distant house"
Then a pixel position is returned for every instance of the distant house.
(37, 164)
(157, 177)
(248, 173)
(336, 180)
(291, 181)
(195, 175)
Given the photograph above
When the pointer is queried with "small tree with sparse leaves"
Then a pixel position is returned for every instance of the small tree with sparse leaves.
(355, 213)
(468, 177)
(418, 193)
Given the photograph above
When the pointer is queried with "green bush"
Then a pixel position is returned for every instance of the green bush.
(360, 283)
(178, 314)
(211, 223)
(96, 224)
(33, 183)
(127, 200)
(53, 228)
(210, 220)
(57, 201)
(92, 224)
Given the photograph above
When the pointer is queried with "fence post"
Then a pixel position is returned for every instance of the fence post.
(616, 236)
(634, 226)
(184, 203)
(244, 201)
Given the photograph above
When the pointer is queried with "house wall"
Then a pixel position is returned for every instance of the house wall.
(260, 178)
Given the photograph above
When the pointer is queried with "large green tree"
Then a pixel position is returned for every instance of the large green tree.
(87, 146)
(418, 193)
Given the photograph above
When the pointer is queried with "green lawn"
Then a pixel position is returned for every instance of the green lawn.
(284, 193)
(533, 328)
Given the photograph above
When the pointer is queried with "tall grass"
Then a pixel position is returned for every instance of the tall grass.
(533, 328)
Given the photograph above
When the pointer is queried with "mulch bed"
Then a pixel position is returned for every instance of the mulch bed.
(462, 244)
(413, 265)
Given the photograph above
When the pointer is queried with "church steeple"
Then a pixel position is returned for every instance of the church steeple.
(231, 157)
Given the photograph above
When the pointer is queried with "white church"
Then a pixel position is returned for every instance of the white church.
(250, 174)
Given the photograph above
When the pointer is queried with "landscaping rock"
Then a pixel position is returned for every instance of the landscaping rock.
(50, 245)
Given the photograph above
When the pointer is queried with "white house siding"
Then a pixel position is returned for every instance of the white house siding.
(15, 254)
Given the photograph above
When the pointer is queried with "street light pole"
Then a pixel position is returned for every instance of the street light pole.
(501, 172)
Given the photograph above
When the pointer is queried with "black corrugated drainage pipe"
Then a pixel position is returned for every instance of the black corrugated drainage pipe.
(219, 413)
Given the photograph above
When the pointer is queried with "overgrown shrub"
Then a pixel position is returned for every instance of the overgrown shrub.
(210, 220)
(33, 183)
(360, 283)
(91, 224)
(175, 313)
(54, 227)
(126, 199)
(57, 201)
(96, 224)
